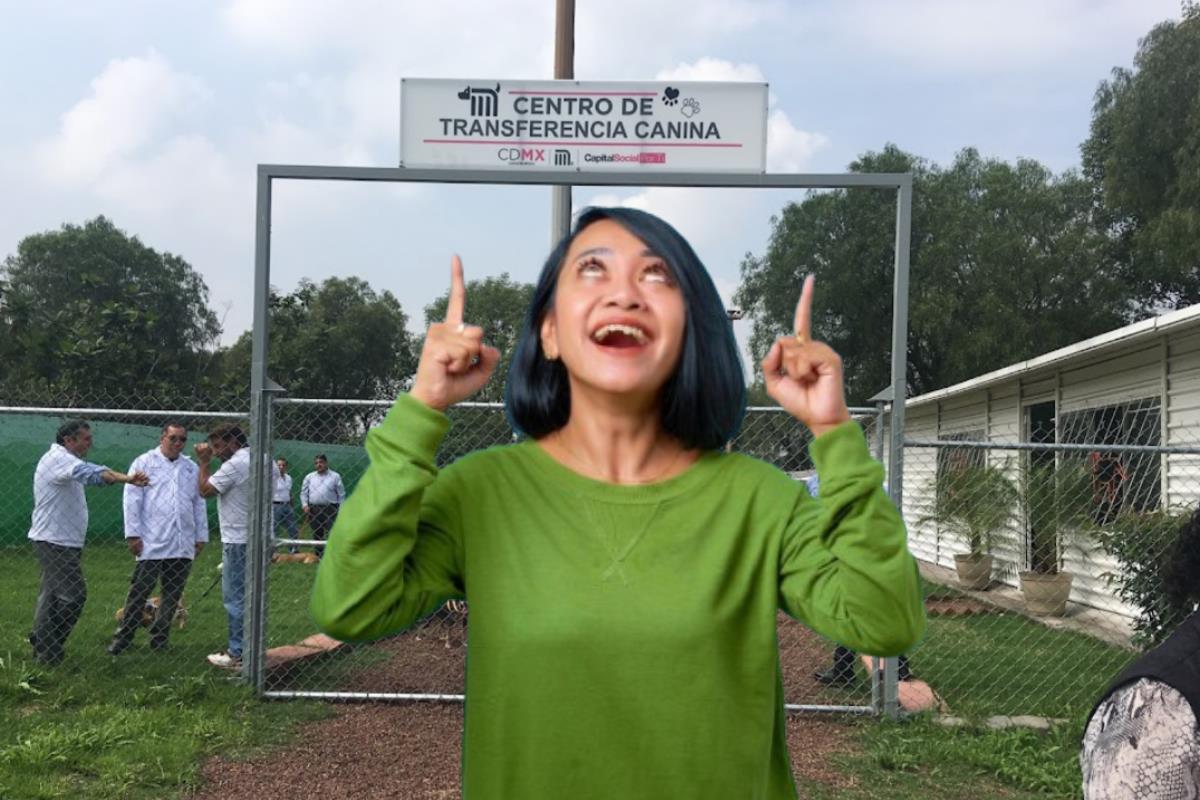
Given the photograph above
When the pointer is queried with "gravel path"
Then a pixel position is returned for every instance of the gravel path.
(411, 750)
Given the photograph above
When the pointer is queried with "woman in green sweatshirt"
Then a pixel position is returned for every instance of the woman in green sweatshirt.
(623, 572)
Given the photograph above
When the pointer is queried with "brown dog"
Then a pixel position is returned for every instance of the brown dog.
(298, 558)
(150, 610)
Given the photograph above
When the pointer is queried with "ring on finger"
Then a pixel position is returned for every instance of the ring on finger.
(801, 338)
(462, 326)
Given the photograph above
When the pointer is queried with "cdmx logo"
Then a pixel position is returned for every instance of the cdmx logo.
(521, 155)
(484, 102)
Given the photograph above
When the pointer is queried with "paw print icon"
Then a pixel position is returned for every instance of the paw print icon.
(670, 96)
(691, 107)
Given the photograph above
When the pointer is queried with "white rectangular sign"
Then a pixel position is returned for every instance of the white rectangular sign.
(573, 126)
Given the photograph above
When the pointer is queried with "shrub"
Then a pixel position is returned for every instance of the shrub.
(1143, 543)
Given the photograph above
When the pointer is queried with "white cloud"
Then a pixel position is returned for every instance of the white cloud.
(957, 37)
(712, 69)
(789, 149)
(383, 42)
(187, 178)
(131, 102)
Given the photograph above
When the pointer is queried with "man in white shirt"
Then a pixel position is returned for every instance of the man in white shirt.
(321, 495)
(166, 526)
(281, 502)
(58, 530)
(231, 486)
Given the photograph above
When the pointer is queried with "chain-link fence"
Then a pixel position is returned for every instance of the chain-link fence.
(120, 573)
(428, 661)
(1099, 499)
(1049, 561)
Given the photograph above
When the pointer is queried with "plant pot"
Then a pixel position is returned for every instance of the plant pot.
(1046, 595)
(974, 572)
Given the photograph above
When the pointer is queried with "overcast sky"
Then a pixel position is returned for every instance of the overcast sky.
(155, 115)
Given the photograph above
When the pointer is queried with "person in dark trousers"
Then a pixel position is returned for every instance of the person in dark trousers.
(841, 672)
(58, 529)
(1142, 739)
(166, 526)
(321, 495)
(284, 516)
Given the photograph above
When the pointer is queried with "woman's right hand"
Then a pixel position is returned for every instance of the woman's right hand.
(455, 363)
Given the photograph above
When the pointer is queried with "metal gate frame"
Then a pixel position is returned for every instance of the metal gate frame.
(263, 390)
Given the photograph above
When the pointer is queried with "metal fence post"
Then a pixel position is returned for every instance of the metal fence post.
(259, 547)
(261, 390)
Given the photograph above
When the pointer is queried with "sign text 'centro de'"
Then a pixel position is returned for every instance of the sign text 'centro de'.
(583, 126)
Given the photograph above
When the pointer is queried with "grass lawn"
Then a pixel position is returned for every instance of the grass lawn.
(136, 726)
(1006, 663)
(985, 665)
(918, 760)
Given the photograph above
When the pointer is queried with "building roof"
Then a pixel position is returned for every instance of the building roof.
(1097, 345)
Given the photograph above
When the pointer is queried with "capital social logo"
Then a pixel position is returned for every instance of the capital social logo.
(484, 102)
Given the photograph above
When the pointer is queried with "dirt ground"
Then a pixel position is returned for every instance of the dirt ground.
(411, 749)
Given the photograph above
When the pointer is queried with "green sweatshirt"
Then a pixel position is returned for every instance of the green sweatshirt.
(622, 639)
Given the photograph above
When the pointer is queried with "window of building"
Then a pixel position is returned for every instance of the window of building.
(1121, 480)
(952, 460)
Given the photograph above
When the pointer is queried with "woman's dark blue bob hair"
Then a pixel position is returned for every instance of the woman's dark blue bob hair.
(704, 400)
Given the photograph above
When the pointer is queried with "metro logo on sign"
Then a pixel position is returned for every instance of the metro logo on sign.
(484, 102)
(572, 126)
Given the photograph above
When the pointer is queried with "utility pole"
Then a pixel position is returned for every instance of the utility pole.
(564, 69)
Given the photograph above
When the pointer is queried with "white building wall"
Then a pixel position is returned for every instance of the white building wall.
(1181, 417)
(920, 474)
(1166, 367)
(1134, 373)
(1129, 376)
(1008, 551)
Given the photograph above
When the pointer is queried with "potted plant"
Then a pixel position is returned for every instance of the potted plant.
(1057, 504)
(976, 502)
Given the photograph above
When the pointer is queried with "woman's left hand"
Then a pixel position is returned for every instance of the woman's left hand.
(805, 377)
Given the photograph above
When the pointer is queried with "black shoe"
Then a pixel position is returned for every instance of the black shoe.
(836, 677)
(117, 646)
(47, 657)
(159, 646)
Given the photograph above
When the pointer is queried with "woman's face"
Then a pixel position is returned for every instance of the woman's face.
(618, 316)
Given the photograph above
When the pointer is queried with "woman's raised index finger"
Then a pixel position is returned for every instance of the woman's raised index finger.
(803, 323)
(458, 293)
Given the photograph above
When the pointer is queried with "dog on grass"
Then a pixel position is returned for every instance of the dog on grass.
(150, 611)
(299, 558)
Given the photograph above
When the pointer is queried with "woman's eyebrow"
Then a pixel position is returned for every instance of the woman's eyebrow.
(607, 251)
(591, 251)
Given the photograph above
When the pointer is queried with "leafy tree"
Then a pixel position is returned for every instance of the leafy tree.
(1006, 264)
(342, 340)
(1143, 158)
(90, 314)
(498, 305)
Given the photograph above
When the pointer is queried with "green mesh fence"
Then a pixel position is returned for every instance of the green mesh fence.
(24, 438)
